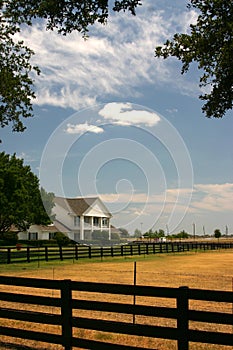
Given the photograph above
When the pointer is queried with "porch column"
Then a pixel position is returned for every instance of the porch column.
(109, 229)
(92, 225)
(101, 223)
(81, 227)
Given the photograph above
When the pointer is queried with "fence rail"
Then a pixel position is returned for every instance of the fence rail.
(30, 254)
(69, 319)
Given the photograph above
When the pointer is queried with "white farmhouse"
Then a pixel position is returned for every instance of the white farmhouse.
(37, 232)
(79, 217)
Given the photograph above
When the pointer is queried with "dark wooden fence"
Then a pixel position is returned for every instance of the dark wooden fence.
(28, 254)
(69, 319)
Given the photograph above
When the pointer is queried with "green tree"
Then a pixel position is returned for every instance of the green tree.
(48, 203)
(115, 236)
(62, 239)
(124, 232)
(16, 84)
(149, 234)
(217, 233)
(9, 238)
(20, 199)
(210, 45)
(182, 234)
(66, 15)
(16, 71)
(137, 233)
(160, 233)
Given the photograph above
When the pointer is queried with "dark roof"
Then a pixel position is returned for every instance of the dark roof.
(75, 205)
(49, 228)
(46, 228)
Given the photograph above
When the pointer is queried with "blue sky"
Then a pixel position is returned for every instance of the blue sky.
(113, 121)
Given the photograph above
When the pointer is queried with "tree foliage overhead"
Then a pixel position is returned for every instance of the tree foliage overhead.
(210, 44)
(16, 82)
(66, 15)
(20, 198)
(16, 92)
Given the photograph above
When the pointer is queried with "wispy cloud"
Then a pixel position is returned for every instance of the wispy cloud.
(115, 61)
(209, 200)
(124, 114)
(213, 197)
(209, 197)
(82, 128)
(27, 157)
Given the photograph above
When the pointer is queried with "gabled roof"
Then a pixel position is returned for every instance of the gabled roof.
(43, 228)
(76, 206)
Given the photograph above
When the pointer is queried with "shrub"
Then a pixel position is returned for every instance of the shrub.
(62, 239)
(9, 238)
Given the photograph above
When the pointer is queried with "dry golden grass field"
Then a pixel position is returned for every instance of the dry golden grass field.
(203, 270)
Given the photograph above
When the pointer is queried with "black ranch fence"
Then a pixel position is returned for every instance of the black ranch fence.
(70, 316)
(29, 254)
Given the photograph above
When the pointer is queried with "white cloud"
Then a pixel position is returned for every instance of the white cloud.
(211, 206)
(115, 61)
(213, 197)
(208, 197)
(26, 157)
(124, 114)
(82, 128)
(169, 196)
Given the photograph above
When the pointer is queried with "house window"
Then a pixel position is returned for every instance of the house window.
(105, 222)
(33, 235)
(86, 219)
(95, 221)
(77, 221)
(51, 235)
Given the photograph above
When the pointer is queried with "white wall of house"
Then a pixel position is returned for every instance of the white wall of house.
(34, 232)
(65, 217)
(94, 218)
(23, 235)
(98, 214)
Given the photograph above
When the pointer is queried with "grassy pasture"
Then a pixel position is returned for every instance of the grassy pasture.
(205, 270)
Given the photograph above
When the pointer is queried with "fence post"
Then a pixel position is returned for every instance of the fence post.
(160, 248)
(28, 254)
(66, 314)
(60, 252)
(46, 253)
(101, 252)
(8, 255)
(139, 249)
(76, 252)
(182, 318)
(153, 248)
